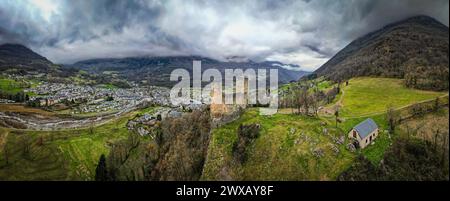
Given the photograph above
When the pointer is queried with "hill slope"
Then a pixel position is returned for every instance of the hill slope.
(19, 56)
(415, 49)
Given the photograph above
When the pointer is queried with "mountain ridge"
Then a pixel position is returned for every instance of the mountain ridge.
(157, 69)
(414, 48)
(16, 55)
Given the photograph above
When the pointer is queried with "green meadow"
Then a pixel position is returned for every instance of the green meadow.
(57, 155)
(10, 86)
(280, 152)
(369, 96)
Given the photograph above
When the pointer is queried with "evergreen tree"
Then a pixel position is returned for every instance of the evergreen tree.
(101, 173)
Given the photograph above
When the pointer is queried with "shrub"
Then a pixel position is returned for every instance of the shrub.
(246, 134)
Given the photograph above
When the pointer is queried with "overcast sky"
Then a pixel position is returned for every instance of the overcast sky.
(306, 33)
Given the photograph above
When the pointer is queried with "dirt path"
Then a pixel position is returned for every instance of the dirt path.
(329, 110)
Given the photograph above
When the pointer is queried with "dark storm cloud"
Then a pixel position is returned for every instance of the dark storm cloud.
(306, 32)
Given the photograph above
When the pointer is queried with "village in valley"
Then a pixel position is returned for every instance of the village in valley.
(89, 99)
(89, 104)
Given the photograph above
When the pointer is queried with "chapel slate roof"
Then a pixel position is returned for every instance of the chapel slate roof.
(366, 127)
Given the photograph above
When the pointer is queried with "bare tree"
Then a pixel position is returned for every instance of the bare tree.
(297, 99)
(91, 128)
(436, 104)
(304, 98)
(339, 86)
(40, 141)
(444, 149)
(6, 154)
(392, 118)
(314, 99)
(336, 115)
(26, 146)
(435, 138)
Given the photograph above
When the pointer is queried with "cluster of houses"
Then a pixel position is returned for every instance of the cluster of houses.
(6, 101)
(48, 94)
(93, 99)
(28, 76)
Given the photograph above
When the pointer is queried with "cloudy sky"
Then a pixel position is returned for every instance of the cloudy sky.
(302, 32)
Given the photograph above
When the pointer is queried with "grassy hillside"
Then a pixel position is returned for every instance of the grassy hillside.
(57, 155)
(277, 154)
(10, 86)
(419, 152)
(375, 152)
(280, 154)
(22, 109)
(430, 127)
(368, 96)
